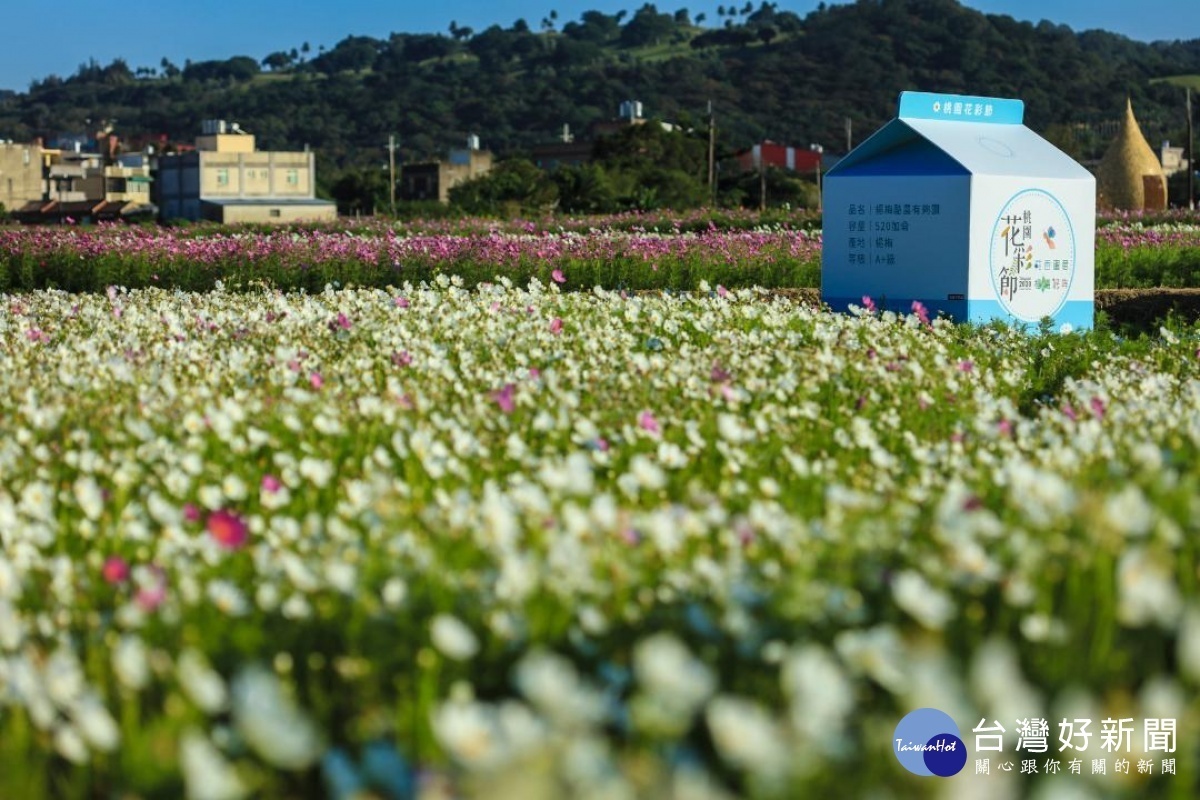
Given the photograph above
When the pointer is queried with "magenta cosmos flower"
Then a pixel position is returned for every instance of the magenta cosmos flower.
(228, 529)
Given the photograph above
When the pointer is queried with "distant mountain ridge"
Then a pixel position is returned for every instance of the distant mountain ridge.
(769, 74)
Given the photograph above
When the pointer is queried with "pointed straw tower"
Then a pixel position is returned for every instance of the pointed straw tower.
(1129, 177)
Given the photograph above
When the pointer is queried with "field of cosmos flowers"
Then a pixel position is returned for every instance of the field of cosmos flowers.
(380, 513)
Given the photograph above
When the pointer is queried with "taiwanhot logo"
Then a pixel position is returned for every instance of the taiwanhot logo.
(927, 743)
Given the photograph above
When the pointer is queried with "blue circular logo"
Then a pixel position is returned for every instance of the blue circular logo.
(926, 742)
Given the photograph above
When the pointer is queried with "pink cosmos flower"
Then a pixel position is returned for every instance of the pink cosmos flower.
(557, 276)
(151, 597)
(191, 512)
(505, 398)
(342, 322)
(115, 570)
(316, 380)
(722, 291)
(868, 303)
(271, 484)
(922, 313)
(401, 359)
(1005, 427)
(1070, 412)
(228, 529)
(647, 422)
(602, 444)
(966, 365)
(556, 326)
(534, 373)
(1098, 407)
(402, 302)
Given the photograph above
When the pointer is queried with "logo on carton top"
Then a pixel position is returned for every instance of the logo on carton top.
(961, 108)
(1032, 255)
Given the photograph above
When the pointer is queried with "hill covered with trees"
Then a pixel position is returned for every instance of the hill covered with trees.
(769, 73)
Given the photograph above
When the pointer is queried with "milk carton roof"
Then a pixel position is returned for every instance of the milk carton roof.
(977, 147)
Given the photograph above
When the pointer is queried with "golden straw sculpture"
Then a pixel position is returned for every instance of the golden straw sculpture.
(1129, 177)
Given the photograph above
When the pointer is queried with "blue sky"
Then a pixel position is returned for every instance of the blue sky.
(40, 42)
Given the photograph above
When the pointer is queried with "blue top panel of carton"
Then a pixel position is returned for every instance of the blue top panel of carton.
(961, 108)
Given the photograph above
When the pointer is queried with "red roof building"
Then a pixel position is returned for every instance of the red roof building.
(780, 156)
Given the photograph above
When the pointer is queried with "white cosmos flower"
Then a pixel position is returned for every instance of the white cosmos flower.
(821, 694)
(201, 682)
(552, 685)
(64, 677)
(929, 606)
(746, 736)
(470, 733)
(666, 669)
(207, 775)
(646, 473)
(89, 497)
(234, 488)
(70, 744)
(1128, 512)
(130, 663)
(95, 723)
(453, 638)
(315, 470)
(1146, 591)
(271, 723)
(393, 593)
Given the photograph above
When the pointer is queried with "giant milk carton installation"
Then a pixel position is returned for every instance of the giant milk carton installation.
(958, 205)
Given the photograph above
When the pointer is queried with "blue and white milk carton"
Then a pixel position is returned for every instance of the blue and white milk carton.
(958, 205)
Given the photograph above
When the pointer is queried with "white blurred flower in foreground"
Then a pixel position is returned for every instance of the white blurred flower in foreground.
(206, 773)
(201, 682)
(271, 723)
(746, 736)
(668, 672)
(453, 638)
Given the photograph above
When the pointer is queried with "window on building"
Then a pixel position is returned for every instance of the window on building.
(293, 177)
(222, 177)
(275, 212)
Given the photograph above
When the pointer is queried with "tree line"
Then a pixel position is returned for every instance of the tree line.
(769, 73)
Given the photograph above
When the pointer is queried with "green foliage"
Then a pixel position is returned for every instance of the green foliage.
(520, 86)
(512, 187)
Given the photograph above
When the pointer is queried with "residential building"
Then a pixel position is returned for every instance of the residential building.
(88, 187)
(433, 180)
(1174, 159)
(798, 159)
(20, 173)
(226, 179)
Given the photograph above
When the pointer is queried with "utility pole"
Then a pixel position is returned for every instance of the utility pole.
(712, 152)
(762, 181)
(848, 129)
(819, 150)
(391, 147)
(1191, 184)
